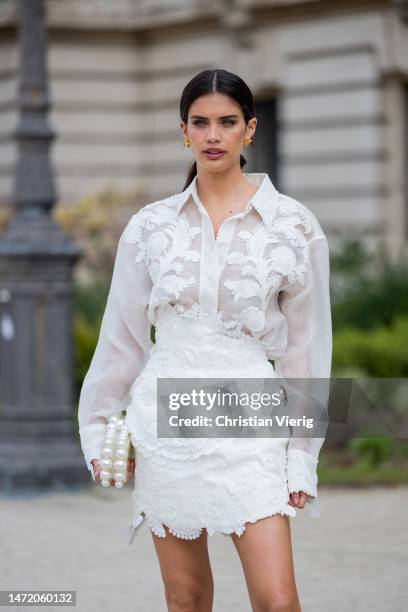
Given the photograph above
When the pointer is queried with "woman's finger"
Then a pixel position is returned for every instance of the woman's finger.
(97, 468)
(295, 498)
(129, 469)
(302, 500)
(298, 499)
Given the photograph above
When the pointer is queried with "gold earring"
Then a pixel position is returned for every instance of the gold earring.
(247, 141)
(186, 141)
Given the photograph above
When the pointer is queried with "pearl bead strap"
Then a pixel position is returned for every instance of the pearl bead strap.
(115, 452)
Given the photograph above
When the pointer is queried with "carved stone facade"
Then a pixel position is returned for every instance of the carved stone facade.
(337, 71)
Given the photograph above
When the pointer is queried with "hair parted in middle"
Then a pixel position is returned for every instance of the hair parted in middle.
(211, 81)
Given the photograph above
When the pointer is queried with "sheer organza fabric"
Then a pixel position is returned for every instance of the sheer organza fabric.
(262, 281)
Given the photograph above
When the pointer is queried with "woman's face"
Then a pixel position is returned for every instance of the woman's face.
(216, 121)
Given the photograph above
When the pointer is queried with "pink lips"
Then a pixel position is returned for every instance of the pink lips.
(214, 153)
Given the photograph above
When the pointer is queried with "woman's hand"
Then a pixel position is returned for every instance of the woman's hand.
(298, 500)
(97, 469)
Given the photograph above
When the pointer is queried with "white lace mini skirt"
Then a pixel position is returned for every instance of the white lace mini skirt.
(191, 484)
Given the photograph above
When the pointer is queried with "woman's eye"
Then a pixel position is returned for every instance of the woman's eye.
(202, 121)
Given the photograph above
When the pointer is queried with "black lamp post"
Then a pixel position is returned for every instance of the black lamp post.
(37, 445)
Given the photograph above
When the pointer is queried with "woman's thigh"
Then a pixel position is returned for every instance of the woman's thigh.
(186, 571)
(265, 551)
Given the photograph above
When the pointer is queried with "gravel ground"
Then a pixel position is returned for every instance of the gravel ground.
(355, 557)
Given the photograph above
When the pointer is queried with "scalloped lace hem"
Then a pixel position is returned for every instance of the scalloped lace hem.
(157, 527)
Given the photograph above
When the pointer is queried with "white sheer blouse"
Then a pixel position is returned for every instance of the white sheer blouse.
(264, 277)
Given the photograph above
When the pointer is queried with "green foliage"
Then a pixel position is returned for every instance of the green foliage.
(85, 339)
(372, 451)
(89, 304)
(369, 298)
(334, 472)
(380, 352)
(89, 301)
(367, 290)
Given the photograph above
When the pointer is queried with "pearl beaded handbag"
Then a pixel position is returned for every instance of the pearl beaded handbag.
(117, 450)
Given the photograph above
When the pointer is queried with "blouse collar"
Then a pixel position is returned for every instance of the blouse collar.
(264, 200)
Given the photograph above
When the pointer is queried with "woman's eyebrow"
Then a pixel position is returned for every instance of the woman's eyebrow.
(223, 117)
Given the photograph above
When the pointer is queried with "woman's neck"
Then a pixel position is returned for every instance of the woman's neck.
(223, 189)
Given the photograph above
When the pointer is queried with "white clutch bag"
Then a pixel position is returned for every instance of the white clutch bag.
(116, 451)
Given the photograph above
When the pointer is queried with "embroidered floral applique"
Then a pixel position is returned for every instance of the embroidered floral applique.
(267, 260)
(166, 250)
(187, 310)
(257, 273)
(232, 326)
(258, 293)
(167, 244)
(149, 217)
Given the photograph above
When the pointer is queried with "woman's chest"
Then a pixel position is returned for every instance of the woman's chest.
(220, 262)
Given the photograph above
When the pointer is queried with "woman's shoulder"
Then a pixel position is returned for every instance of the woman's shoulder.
(152, 214)
(152, 207)
(298, 213)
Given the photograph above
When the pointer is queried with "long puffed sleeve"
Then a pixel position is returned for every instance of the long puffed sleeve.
(308, 355)
(123, 344)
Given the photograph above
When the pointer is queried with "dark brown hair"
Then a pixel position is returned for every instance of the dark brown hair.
(210, 81)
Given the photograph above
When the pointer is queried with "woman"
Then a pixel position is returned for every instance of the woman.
(232, 274)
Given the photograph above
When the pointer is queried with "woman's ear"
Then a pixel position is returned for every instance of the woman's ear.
(252, 125)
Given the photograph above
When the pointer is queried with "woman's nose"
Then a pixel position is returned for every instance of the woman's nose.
(213, 135)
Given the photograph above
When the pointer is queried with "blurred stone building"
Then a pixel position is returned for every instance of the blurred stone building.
(329, 79)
